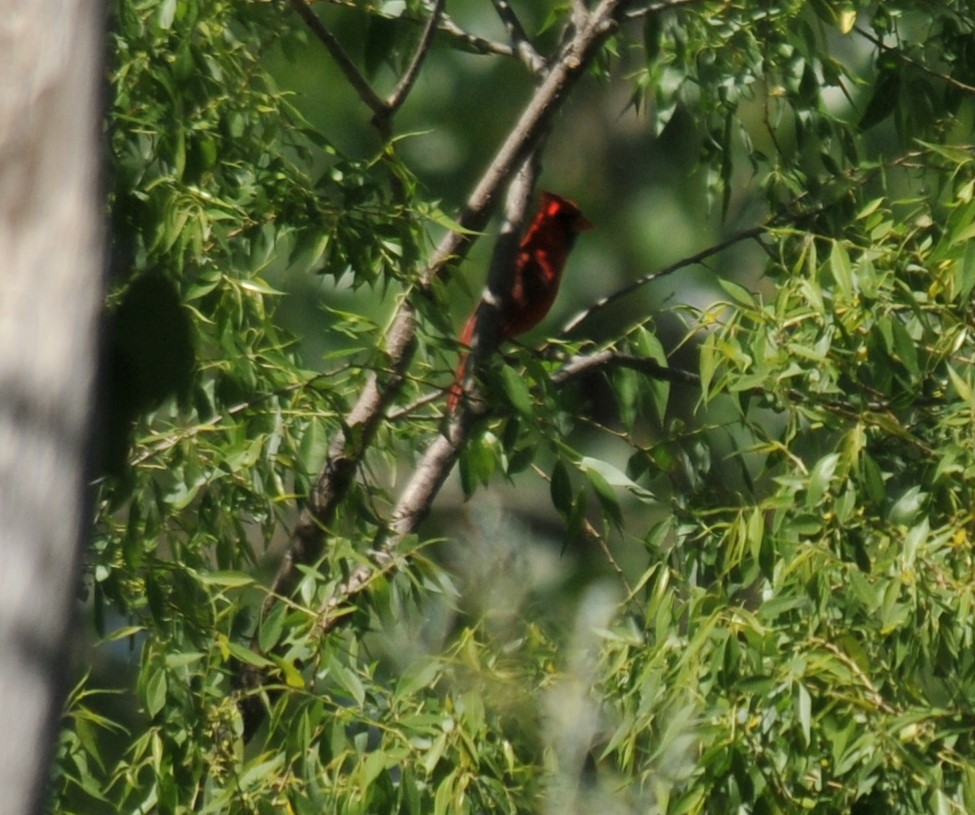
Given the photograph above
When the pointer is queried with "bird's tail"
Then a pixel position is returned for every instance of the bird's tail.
(457, 389)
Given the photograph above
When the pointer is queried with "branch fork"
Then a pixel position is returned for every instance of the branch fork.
(579, 47)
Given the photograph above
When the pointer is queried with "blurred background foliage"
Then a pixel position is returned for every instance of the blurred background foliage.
(749, 592)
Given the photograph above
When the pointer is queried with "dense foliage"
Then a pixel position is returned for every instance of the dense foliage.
(765, 595)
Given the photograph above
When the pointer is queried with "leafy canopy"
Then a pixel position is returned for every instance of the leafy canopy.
(762, 485)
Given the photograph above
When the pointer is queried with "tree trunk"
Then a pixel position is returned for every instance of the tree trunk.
(51, 286)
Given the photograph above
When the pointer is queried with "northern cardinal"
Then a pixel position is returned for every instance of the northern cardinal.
(535, 283)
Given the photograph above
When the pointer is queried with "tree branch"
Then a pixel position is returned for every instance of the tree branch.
(473, 42)
(576, 53)
(656, 8)
(399, 95)
(439, 458)
(447, 26)
(911, 61)
(580, 13)
(342, 59)
(586, 364)
(361, 424)
(599, 305)
(519, 39)
(487, 333)
(349, 445)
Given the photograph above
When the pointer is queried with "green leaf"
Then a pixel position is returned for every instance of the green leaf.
(347, 680)
(420, 674)
(820, 479)
(955, 154)
(652, 31)
(649, 346)
(846, 19)
(906, 509)
(228, 580)
(182, 660)
(842, 270)
(292, 676)
(247, 655)
(520, 460)
(272, 627)
(258, 286)
(614, 477)
(962, 387)
(738, 293)
(708, 363)
(578, 516)
(313, 445)
(964, 269)
(516, 388)
(446, 802)
(166, 14)
(626, 384)
(478, 461)
(804, 711)
(607, 497)
(906, 348)
(964, 234)
(156, 690)
(560, 488)
(883, 100)
(870, 207)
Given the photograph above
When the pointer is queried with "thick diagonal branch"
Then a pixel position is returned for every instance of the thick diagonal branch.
(361, 424)
(348, 446)
(441, 455)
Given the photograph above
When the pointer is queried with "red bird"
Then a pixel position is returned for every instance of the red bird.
(538, 272)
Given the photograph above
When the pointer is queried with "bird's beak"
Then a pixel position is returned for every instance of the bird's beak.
(582, 223)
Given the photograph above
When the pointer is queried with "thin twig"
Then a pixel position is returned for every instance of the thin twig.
(599, 305)
(656, 8)
(474, 42)
(359, 427)
(593, 534)
(366, 416)
(587, 364)
(406, 82)
(412, 407)
(519, 39)
(342, 59)
(446, 26)
(874, 692)
(911, 61)
(415, 501)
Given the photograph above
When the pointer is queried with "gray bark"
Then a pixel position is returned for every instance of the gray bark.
(51, 281)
